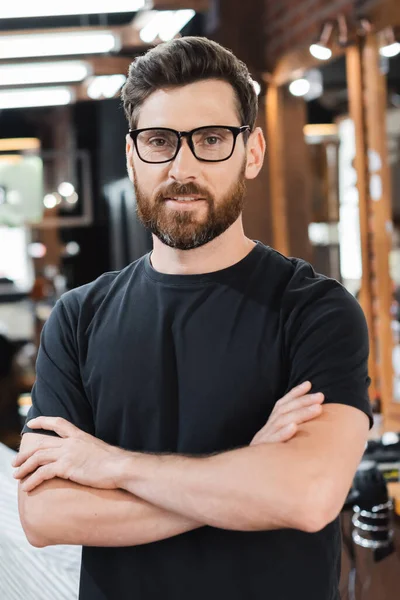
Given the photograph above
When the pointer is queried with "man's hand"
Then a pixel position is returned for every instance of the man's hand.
(86, 460)
(294, 408)
(75, 455)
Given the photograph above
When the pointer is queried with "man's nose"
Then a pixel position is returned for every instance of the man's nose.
(185, 166)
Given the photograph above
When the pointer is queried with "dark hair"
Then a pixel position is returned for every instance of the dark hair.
(183, 61)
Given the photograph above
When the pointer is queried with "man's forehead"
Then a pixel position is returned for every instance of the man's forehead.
(187, 107)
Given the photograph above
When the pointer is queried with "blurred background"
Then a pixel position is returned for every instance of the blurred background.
(327, 76)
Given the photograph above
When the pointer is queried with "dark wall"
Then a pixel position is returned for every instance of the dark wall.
(112, 130)
(93, 259)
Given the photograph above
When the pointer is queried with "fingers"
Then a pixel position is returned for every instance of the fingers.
(21, 457)
(60, 426)
(38, 459)
(287, 415)
(295, 404)
(299, 390)
(284, 434)
(281, 435)
(42, 474)
(298, 416)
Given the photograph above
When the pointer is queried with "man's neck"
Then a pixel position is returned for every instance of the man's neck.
(222, 252)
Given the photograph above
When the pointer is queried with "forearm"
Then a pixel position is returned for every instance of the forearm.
(254, 488)
(62, 512)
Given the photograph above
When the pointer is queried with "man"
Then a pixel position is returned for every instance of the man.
(162, 376)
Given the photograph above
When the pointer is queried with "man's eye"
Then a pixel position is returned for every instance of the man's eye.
(159, 142)
(212, 140)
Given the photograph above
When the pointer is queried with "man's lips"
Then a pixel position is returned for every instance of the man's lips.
(184, 199)
(188, 198)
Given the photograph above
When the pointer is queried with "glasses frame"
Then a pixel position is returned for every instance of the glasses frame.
(134, 133)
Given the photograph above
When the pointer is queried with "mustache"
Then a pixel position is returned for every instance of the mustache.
(185, 189)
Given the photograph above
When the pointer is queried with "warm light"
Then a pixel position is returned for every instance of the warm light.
(105, 86)
(320, 52)
(73, 198)
(66, 189)
(165, 25)
(50, 201)
(12, 144)
(320, 130)
(390, 50)
(36, 73)
(44, 8)
(57, 44)
(30, 97)
(72, 249)
(299, 87)
(11, 159)
(37, 250)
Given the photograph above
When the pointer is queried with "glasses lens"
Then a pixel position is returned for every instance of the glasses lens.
(157, 145)
(213, 143)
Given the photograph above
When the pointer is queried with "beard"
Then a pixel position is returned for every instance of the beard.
(183, 230)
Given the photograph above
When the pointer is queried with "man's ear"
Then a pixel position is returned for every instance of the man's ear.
(255, 153)
(129, 156)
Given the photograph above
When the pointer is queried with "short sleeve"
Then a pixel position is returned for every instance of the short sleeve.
(58, 389)
(326, 341)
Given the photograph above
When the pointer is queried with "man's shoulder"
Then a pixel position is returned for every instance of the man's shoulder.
(89, 297)
(292, 273)
(303, 289)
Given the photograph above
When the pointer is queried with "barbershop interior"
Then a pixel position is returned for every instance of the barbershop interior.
(327, 77)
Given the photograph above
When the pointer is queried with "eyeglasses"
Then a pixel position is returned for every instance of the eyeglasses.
(213, 143)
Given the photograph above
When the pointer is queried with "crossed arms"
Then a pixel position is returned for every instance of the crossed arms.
(79, 490)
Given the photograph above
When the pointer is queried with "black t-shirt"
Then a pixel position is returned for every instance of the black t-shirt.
(194, 364)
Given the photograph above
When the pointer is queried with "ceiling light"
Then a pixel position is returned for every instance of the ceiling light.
(105, 86)
(165, 24)
(172, 25)
(57, 44)
(36, 73)
(73, 198)
(51, 200)
(66, 189)
(72, 248)
(320, 50)
(390, 50)
(30, 97)
(390, 46)
(299, 87)
(150, 31)
(44, 8)
(37, 250)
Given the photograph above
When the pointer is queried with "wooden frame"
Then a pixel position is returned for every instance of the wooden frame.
(367, 98)
(356, 106)
(381, 215)
(275, 134)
